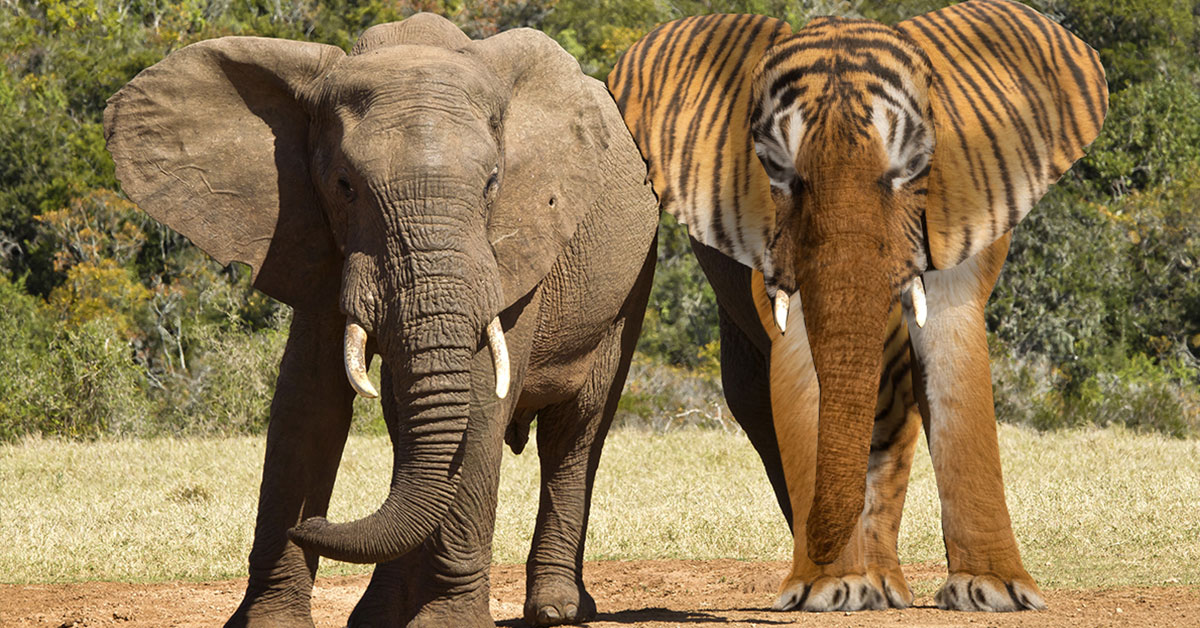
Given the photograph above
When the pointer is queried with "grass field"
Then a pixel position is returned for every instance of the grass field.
(1092, 508)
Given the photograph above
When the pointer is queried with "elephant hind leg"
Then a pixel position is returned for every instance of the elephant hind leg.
(745, 378)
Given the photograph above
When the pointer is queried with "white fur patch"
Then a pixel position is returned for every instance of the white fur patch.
(907, 141)
(777, 142)
(950, 296)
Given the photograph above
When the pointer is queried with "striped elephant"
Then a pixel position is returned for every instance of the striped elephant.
(850, 188)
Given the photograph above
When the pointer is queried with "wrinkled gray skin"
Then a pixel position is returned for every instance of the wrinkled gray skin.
(421, 186)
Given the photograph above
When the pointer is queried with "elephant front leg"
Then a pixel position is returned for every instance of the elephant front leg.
(569, 439)
(570, 436)
(310, 416)
(954, 388)
(867, 574)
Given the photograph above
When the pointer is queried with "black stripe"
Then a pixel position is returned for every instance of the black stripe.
(679, 46)
(957, 124)
(1076, 70)
(1019, 32)
(1012, 67)
(720, 110)
(838, 43)
(1062, 37)
(784, 50)
(1001, 163)
(878, 92)
(647, 45)
(708, 75)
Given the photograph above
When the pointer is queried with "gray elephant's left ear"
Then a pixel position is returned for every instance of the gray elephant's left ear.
(556, 153)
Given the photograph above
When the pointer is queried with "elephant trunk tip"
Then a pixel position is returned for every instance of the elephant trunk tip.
(829, 529)
(823, 549)
(317, 534)
(307, 533)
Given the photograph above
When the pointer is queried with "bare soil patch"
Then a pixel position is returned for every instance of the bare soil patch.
(658, 593)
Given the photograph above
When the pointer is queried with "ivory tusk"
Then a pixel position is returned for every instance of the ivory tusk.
(782, 300)
(495, 335)
(354, 356)
(920, 310)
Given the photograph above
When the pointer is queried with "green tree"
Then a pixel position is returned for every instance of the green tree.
(1138, 40)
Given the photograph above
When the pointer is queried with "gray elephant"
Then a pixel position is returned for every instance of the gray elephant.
(474, 212)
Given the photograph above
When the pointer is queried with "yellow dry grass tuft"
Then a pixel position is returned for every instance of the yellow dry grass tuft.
(1091, 507)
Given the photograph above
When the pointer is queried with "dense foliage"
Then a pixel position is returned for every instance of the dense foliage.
(113, 324)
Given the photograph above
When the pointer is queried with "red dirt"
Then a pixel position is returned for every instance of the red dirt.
(644, 593)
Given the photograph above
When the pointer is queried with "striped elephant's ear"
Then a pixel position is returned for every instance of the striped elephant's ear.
(1016, 99)
(684, 91)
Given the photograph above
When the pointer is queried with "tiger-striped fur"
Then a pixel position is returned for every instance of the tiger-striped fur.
(698, 164)
(851, 158)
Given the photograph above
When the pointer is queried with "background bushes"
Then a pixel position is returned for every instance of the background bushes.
(112, 324)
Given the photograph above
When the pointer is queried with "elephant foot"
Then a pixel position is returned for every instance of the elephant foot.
(247, 617)
(552, 602)
(382, 607)
(271, 607)
(878, 589)
(988, 592)
(436, 614)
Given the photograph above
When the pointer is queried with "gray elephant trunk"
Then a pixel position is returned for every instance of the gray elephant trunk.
(427, 422)
(428, 331)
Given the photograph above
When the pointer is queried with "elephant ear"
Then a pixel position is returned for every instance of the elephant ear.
(684, 91)
(1016, 99)
(555, 146)
(212, 141)
(422, 29)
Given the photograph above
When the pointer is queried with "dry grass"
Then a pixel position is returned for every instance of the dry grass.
(1091, 507)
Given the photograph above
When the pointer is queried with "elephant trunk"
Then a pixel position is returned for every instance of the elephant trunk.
(427, 425)
(845, 321)
(428, 339)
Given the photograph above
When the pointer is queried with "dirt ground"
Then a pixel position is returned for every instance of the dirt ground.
(641, 593)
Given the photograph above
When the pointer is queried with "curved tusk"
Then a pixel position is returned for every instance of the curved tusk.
(782, 301)
(920, 311)
(495, 335)
(354, 350)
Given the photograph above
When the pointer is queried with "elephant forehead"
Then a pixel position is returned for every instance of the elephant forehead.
(412, 73)
(845, 76)
(844, 94)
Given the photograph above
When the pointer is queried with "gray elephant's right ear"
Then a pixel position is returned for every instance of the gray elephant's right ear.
(212, 141)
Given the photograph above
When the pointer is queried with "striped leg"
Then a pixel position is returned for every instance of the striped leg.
(897, 427)
(955, 393)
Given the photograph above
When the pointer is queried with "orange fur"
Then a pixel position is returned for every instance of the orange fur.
(842, 163)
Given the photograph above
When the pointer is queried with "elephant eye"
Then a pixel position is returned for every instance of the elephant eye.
(346, 189)
(489, 188)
